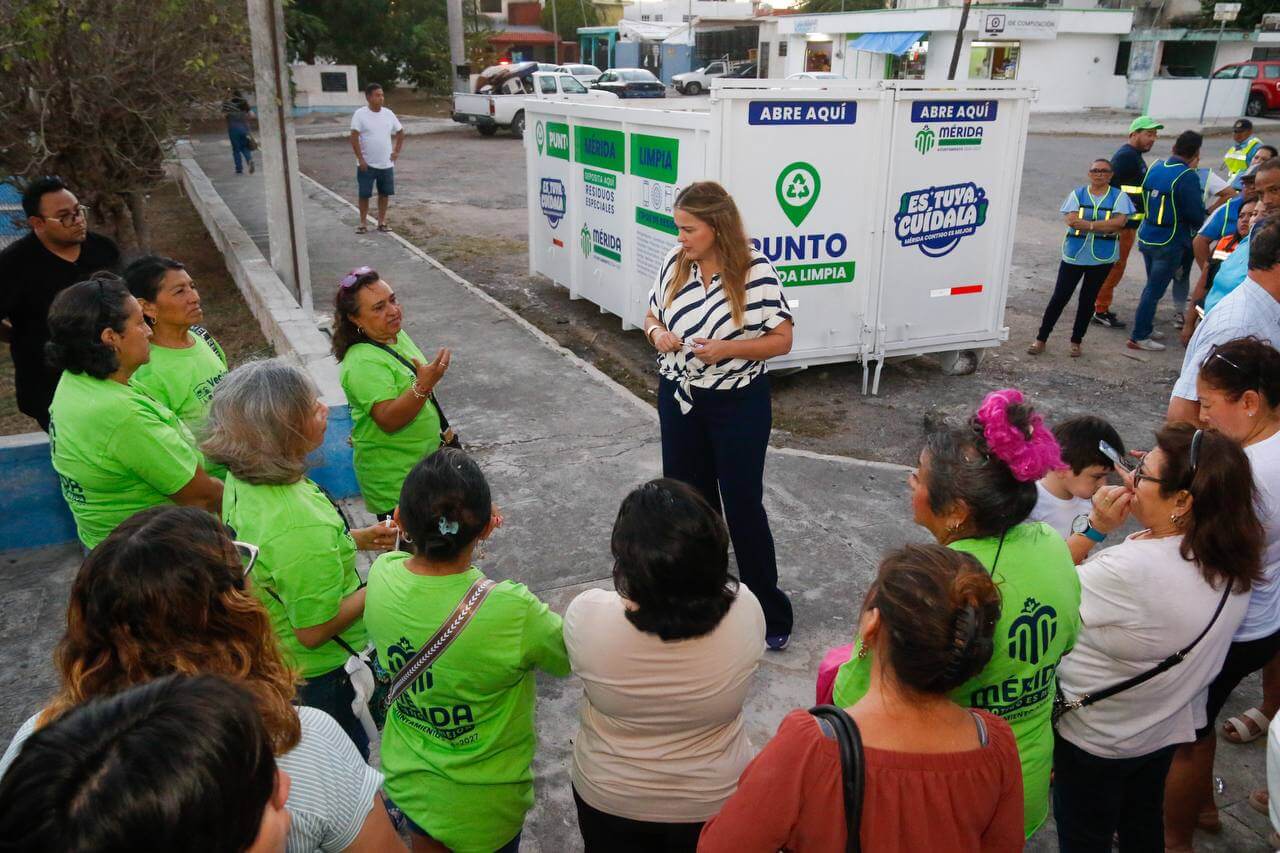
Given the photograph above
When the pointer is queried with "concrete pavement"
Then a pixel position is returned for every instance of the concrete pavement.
(562, 444)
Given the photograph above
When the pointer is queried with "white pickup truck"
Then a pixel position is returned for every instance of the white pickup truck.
(699, 80)
(505, 106)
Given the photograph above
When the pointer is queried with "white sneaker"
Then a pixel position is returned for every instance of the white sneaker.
(1157, 335)
(1148, 345)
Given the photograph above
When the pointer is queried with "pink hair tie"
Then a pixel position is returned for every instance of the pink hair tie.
(1028, 458)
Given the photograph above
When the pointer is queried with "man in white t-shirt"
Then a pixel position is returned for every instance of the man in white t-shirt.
(376, 139)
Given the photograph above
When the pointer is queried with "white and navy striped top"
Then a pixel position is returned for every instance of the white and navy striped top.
(696, 312)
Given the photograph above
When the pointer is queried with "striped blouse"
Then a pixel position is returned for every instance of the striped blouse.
(695, 313)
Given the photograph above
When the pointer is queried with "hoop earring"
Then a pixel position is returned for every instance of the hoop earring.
(360, 329)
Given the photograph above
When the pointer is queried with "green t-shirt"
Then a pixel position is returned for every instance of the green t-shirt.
(458, 745)
(116, 451)
(306, 556)
(184, 379)
(1039, 619)
(383, 459)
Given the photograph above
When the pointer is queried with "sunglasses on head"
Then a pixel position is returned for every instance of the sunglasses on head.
(351, 278)
(1214, 353)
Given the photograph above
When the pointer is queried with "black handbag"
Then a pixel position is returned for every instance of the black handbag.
(448, 438)
(841, 726)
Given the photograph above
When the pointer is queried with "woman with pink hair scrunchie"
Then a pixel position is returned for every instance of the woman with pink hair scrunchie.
(973, 491)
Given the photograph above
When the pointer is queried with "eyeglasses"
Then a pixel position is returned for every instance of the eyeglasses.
(69, 219)
(350, 279)
(1193, 462)
(248, 553)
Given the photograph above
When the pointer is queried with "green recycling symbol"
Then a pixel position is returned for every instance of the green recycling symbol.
(540, 134)
(797, 188)
(584, 239)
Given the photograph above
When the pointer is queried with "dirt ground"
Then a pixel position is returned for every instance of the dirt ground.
(178, 233)
(461, 198)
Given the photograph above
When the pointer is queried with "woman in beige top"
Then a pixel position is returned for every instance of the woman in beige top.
(665, 662)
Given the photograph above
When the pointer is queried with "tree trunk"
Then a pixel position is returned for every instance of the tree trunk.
(137, 203)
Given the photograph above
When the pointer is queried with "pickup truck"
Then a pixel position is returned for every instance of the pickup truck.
(504, 107)
(699, 81)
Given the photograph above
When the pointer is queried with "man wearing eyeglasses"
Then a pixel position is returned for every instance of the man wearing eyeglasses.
(1253, 308)
(58, 252)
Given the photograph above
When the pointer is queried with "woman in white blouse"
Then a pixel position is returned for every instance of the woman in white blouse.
(716, 313)
(1181, 583)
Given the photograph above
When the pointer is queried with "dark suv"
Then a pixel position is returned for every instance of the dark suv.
(1264, 91)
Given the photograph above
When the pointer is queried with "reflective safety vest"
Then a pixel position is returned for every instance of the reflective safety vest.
(1135, 196)
(1225, 247)
(1236, 160)
(1104, 248)
(1160, 223)
(1229, 217)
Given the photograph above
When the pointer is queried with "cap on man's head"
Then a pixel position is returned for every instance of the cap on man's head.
(1145, 123)
(1242, 124)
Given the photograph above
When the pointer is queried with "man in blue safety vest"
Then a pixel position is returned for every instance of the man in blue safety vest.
(1173, 210)
(1240, 155)
(1130, 169)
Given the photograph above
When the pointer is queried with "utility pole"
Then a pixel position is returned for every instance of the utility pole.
(1222, 12)
(457, 47)
(955, 51)
(286, 228)
(555, 26)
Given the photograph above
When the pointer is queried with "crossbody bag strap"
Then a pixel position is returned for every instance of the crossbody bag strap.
(1168, 663)
(852, 768)
(203, 334)
(441, 639)
(445, 430)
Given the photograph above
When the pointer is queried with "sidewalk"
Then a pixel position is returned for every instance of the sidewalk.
(1115, 123)
(561, 445)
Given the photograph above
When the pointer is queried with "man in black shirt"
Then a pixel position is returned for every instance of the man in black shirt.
(57, 253)
(1128, 170)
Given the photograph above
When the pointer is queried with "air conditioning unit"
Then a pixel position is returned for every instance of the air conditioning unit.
(1271, 22)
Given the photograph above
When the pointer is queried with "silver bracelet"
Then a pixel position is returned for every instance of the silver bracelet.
(421, 395)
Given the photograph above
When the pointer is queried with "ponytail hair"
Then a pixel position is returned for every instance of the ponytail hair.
(938, 611)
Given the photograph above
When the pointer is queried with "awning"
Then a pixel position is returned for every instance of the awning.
(894, 43)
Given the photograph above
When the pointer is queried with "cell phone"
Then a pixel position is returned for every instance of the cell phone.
(1112, 454)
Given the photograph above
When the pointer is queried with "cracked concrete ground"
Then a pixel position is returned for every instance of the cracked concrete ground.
(561, 445)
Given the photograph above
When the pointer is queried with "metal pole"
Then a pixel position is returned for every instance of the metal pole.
(286, 229)
(457, 47)
(1209, 82)
(955, 53)
(555, 26)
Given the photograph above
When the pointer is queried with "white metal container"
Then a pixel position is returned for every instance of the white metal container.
(887, 207)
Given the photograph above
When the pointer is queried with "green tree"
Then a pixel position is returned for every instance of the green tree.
(1250, 16)
(96, 92)
(570, 14)
(812, 7)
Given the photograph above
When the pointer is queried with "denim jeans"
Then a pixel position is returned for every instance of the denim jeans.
(1096, 798)
(333, 694)
(1163, 264)
(240, 147)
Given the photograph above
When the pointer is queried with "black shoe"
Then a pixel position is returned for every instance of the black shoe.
(1108, 319)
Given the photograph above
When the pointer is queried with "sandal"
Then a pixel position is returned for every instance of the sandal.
(362, 229)
(385, 228)
(1237, 729)
(1076, 352)
(1036, 348)
(1260, 802)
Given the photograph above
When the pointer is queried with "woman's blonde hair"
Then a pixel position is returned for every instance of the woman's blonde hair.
(256, 420)
(165, 593)
(711, 203)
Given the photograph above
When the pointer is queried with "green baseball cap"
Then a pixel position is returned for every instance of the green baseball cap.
(1145, 123)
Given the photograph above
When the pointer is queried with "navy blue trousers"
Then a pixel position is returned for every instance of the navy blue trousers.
(718, 448)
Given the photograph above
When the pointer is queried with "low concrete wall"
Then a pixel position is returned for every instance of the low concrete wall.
(1168, 97)
(32, 512)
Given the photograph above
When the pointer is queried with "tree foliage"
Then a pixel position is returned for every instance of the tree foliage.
(570, 14)
(389, 41)
(813, 7)
(1251, 12)
(96, 91)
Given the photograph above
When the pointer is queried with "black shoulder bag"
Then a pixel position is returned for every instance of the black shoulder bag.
(1061, 705)
(448, 438)
(836, 723)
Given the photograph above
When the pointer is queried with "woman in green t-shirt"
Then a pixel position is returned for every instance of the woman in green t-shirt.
(116, 450)
(186, 362)
(388, 382)
(973, 491)
(265, 420)
(459, 741)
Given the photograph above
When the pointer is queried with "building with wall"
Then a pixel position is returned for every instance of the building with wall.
(325, 88)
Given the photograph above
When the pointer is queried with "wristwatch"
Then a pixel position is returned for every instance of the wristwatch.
(1082, 526)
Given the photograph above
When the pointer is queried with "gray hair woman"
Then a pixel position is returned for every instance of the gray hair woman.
(265, 420)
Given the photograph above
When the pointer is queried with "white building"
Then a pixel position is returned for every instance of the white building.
(1070, 54)
(682, 11)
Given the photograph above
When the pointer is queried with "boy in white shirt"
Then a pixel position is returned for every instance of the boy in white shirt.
(1066, 494)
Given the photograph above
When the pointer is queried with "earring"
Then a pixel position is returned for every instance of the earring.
(360, 329)
(862, 649)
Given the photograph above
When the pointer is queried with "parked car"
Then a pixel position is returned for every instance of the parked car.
(815, 75)
(586, 73)
(1264, 91)
(502, 102)
(699, 80)
(630, 83)
(742, 72)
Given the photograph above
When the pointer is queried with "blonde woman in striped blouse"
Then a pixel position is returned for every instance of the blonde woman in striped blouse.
(716, 314)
